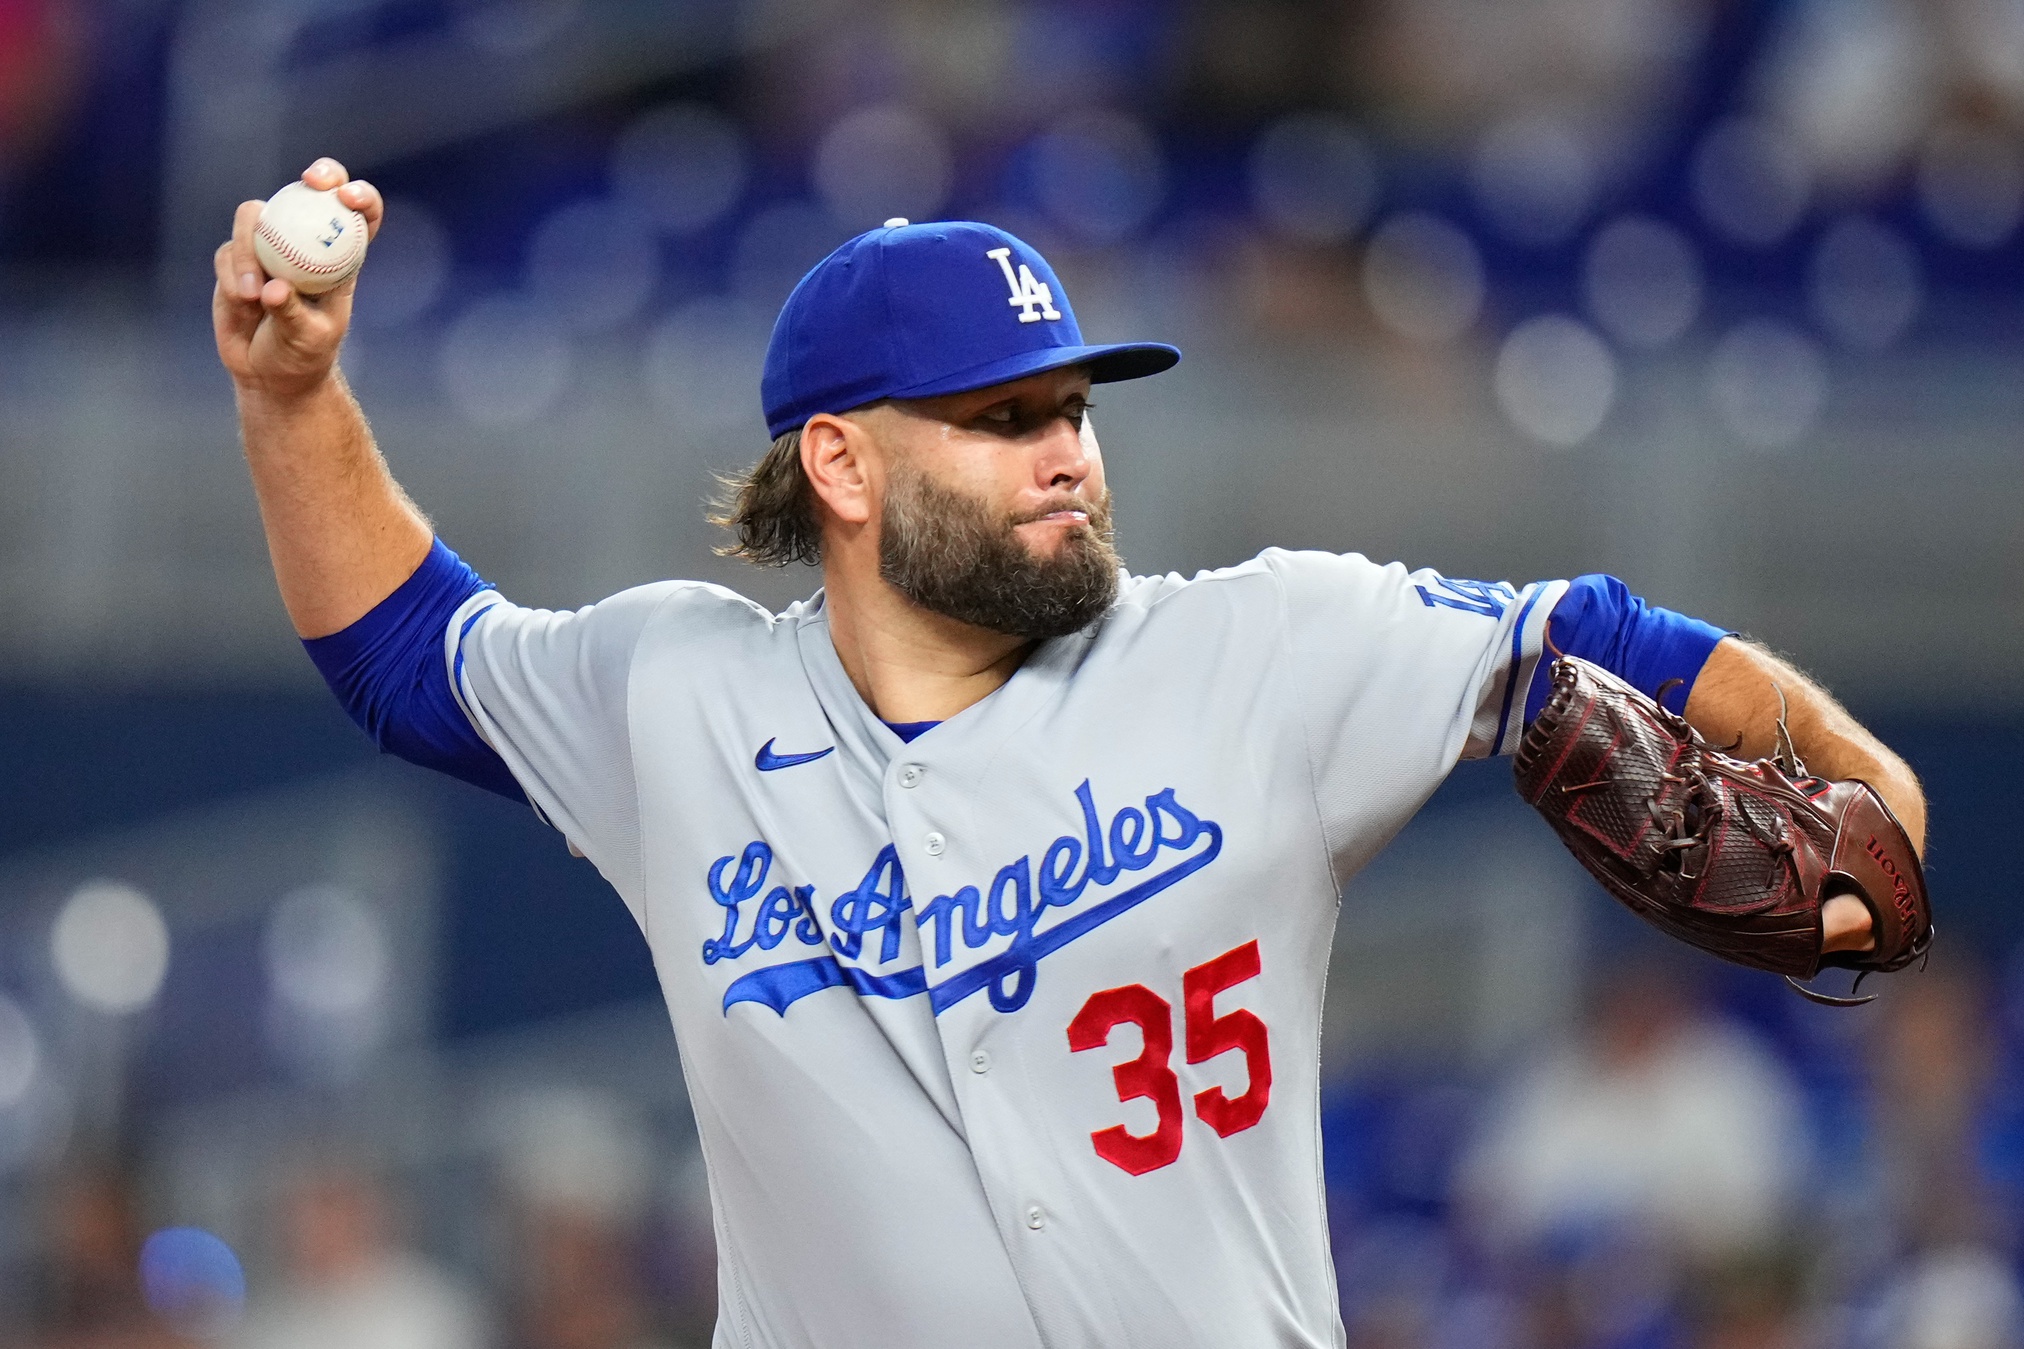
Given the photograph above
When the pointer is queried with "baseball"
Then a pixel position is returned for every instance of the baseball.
(309, 239)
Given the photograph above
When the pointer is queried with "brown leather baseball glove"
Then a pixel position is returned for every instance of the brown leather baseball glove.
(1733, 857)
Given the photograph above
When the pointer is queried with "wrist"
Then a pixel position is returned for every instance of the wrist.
(271, 397)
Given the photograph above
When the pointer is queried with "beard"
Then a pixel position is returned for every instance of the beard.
(950, 554)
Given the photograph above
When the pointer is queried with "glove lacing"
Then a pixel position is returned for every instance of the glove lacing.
(1690, 819)
(1703, 804)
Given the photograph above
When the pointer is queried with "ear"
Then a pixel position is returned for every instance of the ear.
(836, 455)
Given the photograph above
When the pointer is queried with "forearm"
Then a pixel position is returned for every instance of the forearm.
(1737, 694)
(341, 532)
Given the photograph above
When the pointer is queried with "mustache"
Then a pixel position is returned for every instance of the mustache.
(1098, 510)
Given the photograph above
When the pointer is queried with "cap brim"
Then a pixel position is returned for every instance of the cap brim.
(1108, 364)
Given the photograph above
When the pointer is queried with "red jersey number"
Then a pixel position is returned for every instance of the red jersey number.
(1210, 1035)
(1147, 1076)
(1151, 1077)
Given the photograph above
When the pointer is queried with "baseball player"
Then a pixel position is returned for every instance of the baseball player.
(991, 888)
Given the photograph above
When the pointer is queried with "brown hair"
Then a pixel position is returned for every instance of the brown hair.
(771, 509)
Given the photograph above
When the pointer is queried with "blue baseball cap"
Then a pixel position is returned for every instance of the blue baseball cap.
(913, 311)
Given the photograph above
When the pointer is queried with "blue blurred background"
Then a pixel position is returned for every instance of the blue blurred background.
(302, 1048)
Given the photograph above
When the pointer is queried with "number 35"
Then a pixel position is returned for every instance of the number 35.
(1151, 1075)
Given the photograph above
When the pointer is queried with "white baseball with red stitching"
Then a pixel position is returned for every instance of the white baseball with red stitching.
(309, 239)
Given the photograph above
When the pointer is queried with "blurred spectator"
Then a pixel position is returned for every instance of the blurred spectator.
(1243, 59)
(349, 1286)
(1450, 67)
(1861, 85)
(579, 1283)
(1933, 1055)
(579, 1171)
(1658, 1118)
(90, 1295)
(1934, 1059)
(1755, 1303)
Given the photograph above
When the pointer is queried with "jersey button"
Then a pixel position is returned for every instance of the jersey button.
(980, 1062)
(934, 843)
(1035, 1219)
(910, 776)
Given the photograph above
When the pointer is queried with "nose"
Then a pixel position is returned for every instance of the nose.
(1062, 458)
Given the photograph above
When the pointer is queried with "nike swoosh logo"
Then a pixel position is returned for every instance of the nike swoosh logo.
(766, 760)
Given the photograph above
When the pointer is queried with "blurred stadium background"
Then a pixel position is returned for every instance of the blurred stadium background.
(301, 1048)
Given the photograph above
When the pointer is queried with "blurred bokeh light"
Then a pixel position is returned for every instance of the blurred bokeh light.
(506, 360)
(882, 162)
(1424, 278)
(110, 947)
(1768, 383)
(1643, 281)
(1314, 177)
(684, 164)
(1751, 182)
(1555, 380)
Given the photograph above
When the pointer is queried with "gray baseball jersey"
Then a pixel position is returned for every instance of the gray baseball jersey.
(1009, 1035)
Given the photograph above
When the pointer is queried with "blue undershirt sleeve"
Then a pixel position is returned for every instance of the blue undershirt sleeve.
(1599, 620)
(388, 671)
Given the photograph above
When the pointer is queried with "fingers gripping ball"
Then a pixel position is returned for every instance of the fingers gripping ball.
(309, 239)
(1731, 856)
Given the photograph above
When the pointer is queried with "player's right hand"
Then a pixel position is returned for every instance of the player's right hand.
(273, 340)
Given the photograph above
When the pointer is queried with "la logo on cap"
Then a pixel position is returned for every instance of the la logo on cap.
(905, 311)
(1030, 295)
